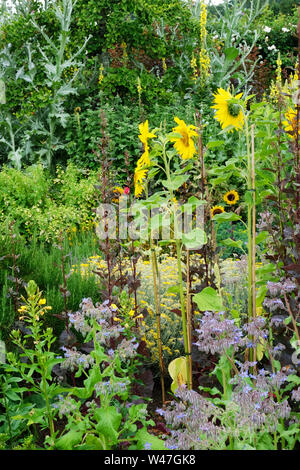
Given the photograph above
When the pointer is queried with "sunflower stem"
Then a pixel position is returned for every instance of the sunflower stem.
(180, 281)
(250, 223)
(155, 276)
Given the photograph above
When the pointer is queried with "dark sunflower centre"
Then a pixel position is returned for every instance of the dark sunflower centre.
(185, 139)
(231, 197)
(234, 109)
(217, 211)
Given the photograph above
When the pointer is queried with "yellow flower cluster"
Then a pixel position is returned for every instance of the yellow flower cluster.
(101, 75)
(231, 197)
(204, 57)
(194, 68)
(143, 163)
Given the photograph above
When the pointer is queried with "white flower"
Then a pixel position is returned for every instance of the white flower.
(267, 29)
(285, 30)
(272, 48)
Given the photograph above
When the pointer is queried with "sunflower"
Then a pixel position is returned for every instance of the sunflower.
(231, 197)
(229, 112)
(144, 133)
(216, 210)
(184, 145)
(144, 136)
(290, 124)
(145, 159)
(139, 177)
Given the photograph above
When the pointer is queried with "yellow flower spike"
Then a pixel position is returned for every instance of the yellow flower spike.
(184, 145)
(217, 210)
(229, 112)
(231, 197)
(42, 302)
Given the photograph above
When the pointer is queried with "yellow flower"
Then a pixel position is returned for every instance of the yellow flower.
(22, 309)
(144, 132)
(231, 197)
(216, 210)
(139, 177)
(144, 160)
(229, 112)
(118, 190)
(184, 145)
(42, 301)
(290, 125)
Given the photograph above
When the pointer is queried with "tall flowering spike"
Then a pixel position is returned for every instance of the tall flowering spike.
(204, 57)
(184, 145)
(229, 112)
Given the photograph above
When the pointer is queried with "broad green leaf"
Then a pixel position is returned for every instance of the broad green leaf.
(261, 237)
(194, 239)
(175, 182)
(69, 440)
(232, 243)
(208, 299)
(108, 422)
(231, 53)
(194, 201)
(226, 217)
(144, 438)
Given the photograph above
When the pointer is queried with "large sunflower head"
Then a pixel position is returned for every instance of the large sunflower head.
(184, 145)
(217, 210)
(290, 125)
(229, 112)
(231, 197)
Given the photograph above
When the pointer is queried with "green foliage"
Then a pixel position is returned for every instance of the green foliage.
(44, 206)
